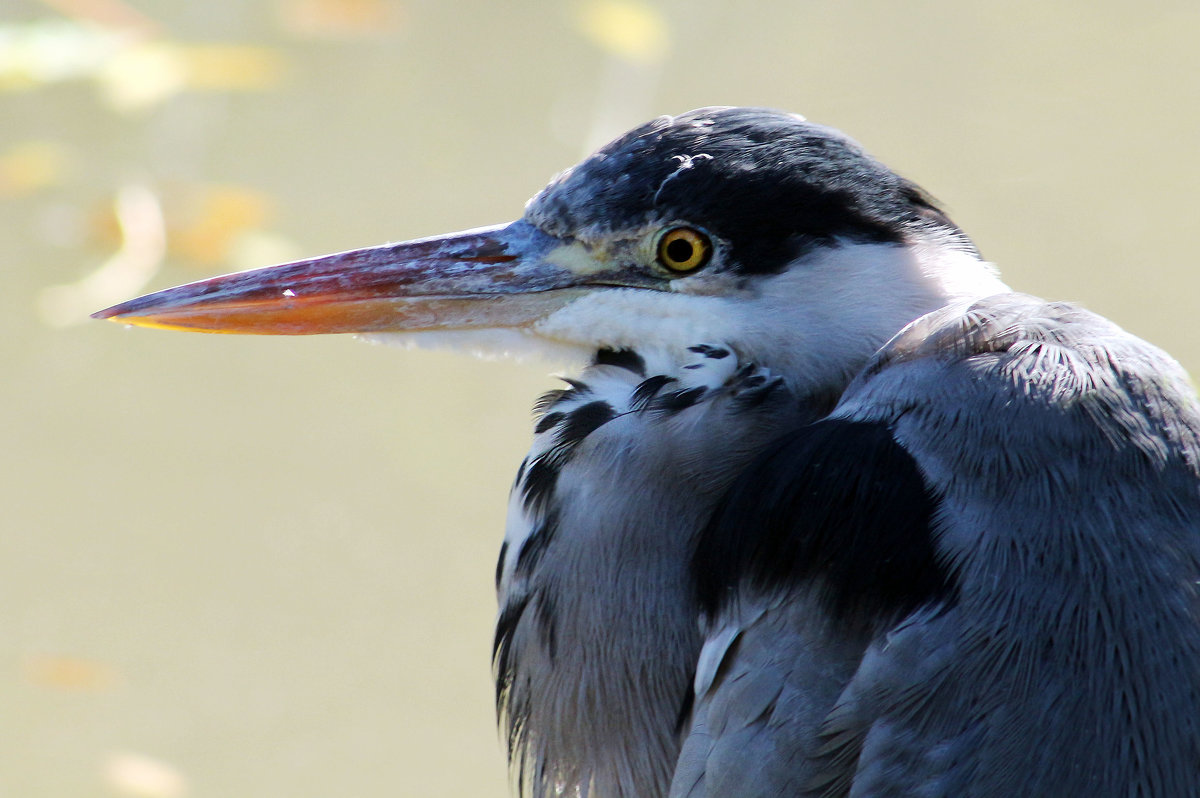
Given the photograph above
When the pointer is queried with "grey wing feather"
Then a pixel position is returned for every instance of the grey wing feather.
(771, 689)
(1064, 455)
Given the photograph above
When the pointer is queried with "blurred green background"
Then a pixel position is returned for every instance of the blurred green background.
(262, 567)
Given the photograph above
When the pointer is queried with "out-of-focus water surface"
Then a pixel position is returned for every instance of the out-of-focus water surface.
(238, 566)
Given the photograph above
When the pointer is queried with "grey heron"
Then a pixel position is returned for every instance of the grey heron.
(828, 510)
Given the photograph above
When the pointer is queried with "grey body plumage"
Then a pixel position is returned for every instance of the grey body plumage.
(1062, 657)
(830, 512)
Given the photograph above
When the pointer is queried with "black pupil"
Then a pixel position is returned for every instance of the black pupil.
(680, 250)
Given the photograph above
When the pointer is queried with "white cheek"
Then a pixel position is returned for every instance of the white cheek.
(959, 274)
(632, 318)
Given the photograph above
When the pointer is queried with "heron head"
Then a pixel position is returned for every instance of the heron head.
(752, 227)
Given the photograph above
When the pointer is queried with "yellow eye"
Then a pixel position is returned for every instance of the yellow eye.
(684, 249)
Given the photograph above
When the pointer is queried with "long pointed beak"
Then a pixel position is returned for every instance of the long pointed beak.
(499, 276)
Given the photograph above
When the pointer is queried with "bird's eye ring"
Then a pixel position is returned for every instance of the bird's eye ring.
(684, 249)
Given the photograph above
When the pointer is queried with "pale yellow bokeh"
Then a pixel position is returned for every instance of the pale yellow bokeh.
(133, 775)
(629, 29)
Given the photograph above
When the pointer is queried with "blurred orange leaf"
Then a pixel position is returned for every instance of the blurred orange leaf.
(232, 67)
(208, 226)
(31, 166)
(69, 673)
(108, 13)
(339, 18)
